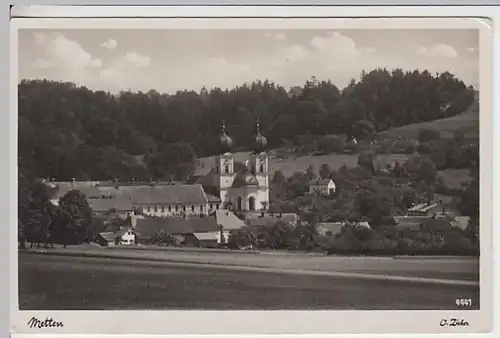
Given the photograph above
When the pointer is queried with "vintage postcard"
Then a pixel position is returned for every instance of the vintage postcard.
(245, 176)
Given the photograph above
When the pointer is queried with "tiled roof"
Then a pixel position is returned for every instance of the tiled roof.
(213, 199)
(100, 199)
(108, 236)
(205, 236)
(126, 196)
(228, 220)
(147, 227)
(409, 225)
(166, 194)
(256, 219)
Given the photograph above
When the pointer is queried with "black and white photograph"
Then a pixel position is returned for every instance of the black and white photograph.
(248, 169)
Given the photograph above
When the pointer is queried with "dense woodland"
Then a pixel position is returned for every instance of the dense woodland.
(72, 132)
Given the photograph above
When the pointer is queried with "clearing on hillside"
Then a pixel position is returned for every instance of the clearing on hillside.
(467, 122)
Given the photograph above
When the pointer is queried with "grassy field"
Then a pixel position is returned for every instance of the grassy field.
(454, 268)
(454, 178)
(292, 164)
(468, 122)
(80, 283)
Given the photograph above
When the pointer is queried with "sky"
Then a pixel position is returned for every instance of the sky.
(169, 60)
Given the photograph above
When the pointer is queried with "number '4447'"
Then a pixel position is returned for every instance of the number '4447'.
(463, 302)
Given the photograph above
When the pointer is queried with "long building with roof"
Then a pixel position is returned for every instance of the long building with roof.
(223, 188)
(162, 200)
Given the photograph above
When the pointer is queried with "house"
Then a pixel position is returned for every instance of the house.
(322, 187)
(436, 225)
(426, 209)
(201, 231)
(387, 162)
(409, 222)
(264, 218)
(461, 222)
(161, 199)
(124, 236)
(330, 228)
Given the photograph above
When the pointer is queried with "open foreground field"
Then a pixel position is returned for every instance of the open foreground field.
(185, 280)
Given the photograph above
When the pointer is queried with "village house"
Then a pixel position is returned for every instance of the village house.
(426, 209)
(124, 236)
(322, 187)
(197, 231)
(330, 228)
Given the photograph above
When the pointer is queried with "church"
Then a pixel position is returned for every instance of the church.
(248, 189)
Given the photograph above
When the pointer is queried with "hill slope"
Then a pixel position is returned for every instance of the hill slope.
(468, 122)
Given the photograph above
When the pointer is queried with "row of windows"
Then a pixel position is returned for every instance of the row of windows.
(226, 169)
(178, 207)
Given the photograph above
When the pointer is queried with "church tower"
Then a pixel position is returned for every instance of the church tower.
(224, 165)
(259, 167)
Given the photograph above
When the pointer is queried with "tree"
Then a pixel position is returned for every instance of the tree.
(68, 131)
(279, 177)
(325, 171)
(75, 217)
(310, 173)
(365, 160)
(428, 134)
(469, 203)
(427, 172)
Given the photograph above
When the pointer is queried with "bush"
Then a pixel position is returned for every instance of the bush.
(429, 134)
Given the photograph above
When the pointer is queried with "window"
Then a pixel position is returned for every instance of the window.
(169, 208)
(253, 169)
(156, 208)
(201, 207)
(227, 169)
(261, 168)
(176, 207)
(240, 203)
(211, 206)
(251, 202)
(192, 208)
(148, 208)
(217, 206)
(184, 208)
(217, 169)
(162, 208)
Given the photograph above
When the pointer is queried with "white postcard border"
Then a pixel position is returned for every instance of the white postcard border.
(269, 322)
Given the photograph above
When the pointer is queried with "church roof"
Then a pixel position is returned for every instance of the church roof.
(104, 198)
(244, 179)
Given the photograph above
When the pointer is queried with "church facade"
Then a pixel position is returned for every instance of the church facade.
(248, 189)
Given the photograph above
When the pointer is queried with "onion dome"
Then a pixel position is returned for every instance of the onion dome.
(260, 141)
(244, 179)
(225, 141)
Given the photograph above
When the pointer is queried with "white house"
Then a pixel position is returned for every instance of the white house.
(124, 236)
(322, 187)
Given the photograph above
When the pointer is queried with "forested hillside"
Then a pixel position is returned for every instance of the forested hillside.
(73, 132)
